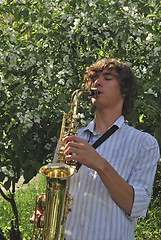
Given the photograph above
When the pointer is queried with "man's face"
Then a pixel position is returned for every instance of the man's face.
(109, 94)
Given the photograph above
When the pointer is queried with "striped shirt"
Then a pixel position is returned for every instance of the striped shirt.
(95, 216)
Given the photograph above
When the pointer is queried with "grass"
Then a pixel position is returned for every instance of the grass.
(25, 199)
(148, 228)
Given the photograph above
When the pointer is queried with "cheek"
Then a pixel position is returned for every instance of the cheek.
(113, 93)
(115, 88)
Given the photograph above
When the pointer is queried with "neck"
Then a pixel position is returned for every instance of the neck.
(104, 120)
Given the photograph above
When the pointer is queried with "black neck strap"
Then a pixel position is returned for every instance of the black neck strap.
(106, 135)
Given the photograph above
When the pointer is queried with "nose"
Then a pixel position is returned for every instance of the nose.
(97, 82)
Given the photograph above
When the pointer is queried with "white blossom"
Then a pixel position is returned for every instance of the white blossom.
(11, 173)
(91, 3)
(66, 59)
(37, 118)
(81, 115)
(76, 22)
(32, 59)
(54, 139)
(48, 146)
(64, 16)
(12, 60)
(125, 8)
(69, 19)
(83, 122)
(157, 49)
(40, 71)
(39, 107)
(144, 69)
(61, 81)
(4, 170)
(12, 37)
(36, 137)
(30, 46)
(149, 37)
(25, 119)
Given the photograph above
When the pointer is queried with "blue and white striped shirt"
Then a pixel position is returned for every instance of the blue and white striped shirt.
(95, 216)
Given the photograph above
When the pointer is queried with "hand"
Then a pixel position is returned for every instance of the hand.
(78, 149)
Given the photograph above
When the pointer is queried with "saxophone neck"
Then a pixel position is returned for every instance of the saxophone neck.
(76, 97)
(70, 121)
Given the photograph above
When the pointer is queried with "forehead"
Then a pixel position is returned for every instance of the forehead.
(106, 72)
(109, 71)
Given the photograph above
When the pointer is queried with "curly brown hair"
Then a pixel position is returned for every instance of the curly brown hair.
(126, 79)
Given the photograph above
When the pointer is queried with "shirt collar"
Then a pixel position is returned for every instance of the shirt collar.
(90, 127)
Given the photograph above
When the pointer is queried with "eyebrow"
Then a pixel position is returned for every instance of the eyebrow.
(105, 74)
(110, 74)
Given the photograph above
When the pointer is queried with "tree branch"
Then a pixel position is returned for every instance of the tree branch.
(4, 195)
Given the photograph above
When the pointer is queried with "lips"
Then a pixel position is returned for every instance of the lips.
(95, 91)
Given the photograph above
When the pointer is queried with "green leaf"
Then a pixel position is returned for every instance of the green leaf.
(39, 36)
(33, 17)
(25, 14)
(141, 118)
(150, 15)
(17, 13)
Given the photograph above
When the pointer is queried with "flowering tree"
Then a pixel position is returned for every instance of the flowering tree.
(44, 49)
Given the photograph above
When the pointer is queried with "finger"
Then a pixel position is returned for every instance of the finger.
(71, 145)
(69, 158)
(73, 138)
(71, 148)
(69, 138)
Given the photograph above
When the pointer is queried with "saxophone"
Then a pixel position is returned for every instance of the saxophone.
(54, 204)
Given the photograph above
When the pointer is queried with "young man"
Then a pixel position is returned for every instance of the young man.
(112, 188)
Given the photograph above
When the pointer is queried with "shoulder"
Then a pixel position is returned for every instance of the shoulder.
(143, 138)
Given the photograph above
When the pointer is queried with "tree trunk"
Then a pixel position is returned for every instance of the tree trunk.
(14, 232)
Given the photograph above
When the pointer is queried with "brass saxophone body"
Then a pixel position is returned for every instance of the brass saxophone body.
(57, 198)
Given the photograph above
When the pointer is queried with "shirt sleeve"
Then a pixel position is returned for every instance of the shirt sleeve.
(142, 175)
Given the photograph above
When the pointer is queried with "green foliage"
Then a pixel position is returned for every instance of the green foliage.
(45, 47)
(150, 227)
(44, 51)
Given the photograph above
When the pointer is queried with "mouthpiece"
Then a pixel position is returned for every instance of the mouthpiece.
(94, 92)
